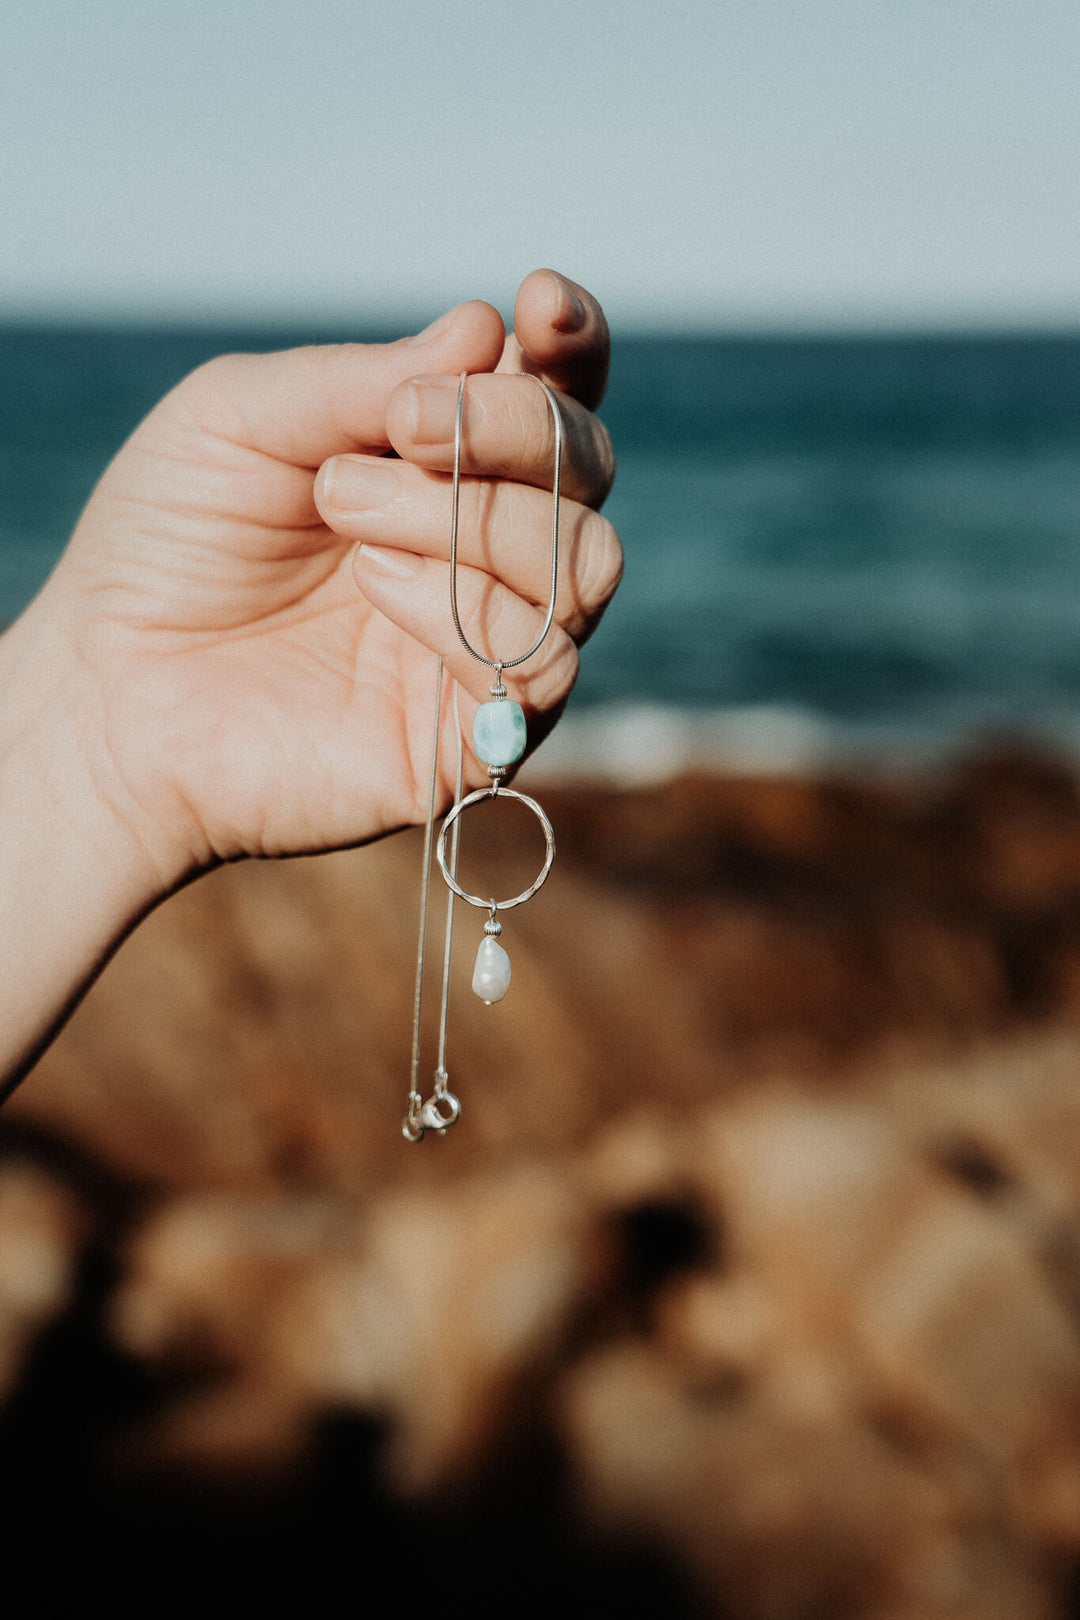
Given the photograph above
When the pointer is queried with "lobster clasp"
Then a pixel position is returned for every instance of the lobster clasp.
(440, 1111)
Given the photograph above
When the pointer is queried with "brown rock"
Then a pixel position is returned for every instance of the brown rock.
(766, 1192)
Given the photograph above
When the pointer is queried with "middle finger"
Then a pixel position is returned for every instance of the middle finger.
(507, 432)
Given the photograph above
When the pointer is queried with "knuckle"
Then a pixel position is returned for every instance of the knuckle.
(205, 384)
(553, 682)
(207, 395)
(496, 621)
(217, 367)
(567, 665)
(221, 371)
(603, 562)
(531, 431)
(212, 394)
(537, 439)
(603, 461)
(502, 624)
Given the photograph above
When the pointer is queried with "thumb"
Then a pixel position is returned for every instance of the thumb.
(303, 405)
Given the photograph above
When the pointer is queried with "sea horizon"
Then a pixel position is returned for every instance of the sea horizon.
(840, 545)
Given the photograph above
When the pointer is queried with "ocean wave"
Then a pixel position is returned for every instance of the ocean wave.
(645, 744)
(641, 744)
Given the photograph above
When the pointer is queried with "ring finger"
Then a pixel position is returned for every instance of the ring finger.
(391, 504)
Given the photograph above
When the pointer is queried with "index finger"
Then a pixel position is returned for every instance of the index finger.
(561, 335)
(303, 405)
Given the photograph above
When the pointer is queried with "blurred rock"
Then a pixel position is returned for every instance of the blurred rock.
(41, 1232)
(422, 1307)
(765, 1199)
(870, 1403)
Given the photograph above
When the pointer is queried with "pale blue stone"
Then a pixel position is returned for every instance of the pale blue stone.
(499, 732)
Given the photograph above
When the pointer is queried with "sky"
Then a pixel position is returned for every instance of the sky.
(742, 163)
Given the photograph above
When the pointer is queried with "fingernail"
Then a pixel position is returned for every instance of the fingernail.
(384, 560)
(571, 313)
(436, 329)
(433, 409)
(351, 484)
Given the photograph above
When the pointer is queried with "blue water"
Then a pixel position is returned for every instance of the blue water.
(883, 533)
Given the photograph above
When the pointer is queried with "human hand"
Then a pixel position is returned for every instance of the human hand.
(201, 677)
(249, 698)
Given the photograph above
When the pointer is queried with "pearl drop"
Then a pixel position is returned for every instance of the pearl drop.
(491, 975)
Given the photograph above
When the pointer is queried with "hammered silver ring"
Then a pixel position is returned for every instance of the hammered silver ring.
(485, 903)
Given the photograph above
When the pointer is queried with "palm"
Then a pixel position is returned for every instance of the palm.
(296, 716)
(249, 698)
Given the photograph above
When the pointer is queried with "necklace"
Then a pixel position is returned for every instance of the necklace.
(499, 739)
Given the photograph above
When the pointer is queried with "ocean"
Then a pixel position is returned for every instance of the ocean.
(834, 545)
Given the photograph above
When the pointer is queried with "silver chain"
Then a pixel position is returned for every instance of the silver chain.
(442, 1108)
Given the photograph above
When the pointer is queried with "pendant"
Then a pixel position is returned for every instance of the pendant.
(491, 975)
(499, 739)
(499, 733)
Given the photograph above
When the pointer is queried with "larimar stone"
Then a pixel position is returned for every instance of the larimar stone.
(491, 975)
(499, 732)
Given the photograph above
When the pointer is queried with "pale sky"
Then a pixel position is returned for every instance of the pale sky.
(743, 162)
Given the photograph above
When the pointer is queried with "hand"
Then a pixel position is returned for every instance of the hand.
(252, 700)
(202, 678)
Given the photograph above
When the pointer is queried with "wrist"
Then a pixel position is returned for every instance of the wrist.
(56, 727)
(76, 873)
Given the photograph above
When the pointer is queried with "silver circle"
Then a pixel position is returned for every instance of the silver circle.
(485, 902)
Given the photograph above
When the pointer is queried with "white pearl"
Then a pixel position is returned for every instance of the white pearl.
(491, 975)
